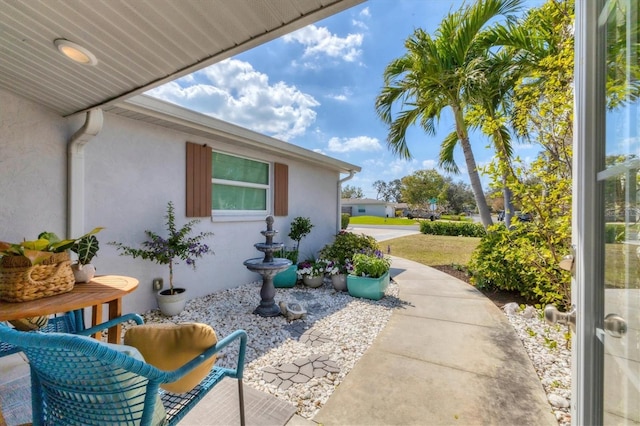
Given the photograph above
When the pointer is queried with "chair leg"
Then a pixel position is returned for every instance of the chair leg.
(241, 398)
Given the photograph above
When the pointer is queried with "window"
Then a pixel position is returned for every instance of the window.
(239, 184)
(228, 185)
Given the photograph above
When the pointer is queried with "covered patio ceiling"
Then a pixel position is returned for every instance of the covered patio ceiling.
(138, 44)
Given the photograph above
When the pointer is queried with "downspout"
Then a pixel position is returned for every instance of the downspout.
(75, 171)
(339, 203)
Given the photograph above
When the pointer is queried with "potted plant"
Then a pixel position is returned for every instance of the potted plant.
(288, 277)
(179, 245)
(43, 266)
(300, 228)
(369, 275)
(86, 247)
(338, 273)
(312, 272)
(340, 253)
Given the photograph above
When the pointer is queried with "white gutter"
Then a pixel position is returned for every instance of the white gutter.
(75, 171)
(339, 203)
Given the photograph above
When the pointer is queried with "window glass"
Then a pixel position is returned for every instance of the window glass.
(239, 184)
(227, 197)
(228, 167)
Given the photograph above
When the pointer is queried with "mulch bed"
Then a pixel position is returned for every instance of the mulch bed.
(498, 297)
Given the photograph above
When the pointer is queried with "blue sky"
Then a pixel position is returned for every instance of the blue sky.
(316, 88)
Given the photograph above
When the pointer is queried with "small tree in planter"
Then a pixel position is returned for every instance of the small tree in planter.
(179, 245)
(300, 228)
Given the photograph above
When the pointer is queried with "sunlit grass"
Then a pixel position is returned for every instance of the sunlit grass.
(433, 250)
(376, 220)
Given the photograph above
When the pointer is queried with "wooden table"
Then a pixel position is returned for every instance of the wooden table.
(104, 289)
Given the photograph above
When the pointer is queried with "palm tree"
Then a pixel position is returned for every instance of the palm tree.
(436, 73)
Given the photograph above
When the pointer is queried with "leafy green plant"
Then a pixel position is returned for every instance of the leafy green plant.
(179, 245)
(300, 228)
(465, 229)
(344, 220)
(86, 248)
(345, 245)
(372, 264)
(287, 253)
(37, 251)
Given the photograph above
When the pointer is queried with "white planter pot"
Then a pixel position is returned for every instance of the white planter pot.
(83, 274)
(171, 304)
(313, 282)
(339, 282)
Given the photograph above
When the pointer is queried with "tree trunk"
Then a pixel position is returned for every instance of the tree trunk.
(476, 184)
(474, 176)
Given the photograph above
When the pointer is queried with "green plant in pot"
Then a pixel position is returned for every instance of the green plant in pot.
(179, 245)
(300, 228)
(369, 275)
(86, 248)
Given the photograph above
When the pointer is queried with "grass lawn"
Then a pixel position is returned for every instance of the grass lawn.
(433, 250)
(376, 220)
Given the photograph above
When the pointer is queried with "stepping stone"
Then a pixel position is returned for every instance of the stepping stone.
(314, 338)
(300, 370)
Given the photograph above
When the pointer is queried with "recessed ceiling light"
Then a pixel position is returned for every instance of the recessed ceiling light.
(75, 52)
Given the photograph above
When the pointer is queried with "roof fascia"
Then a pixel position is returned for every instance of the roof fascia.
(174, 114)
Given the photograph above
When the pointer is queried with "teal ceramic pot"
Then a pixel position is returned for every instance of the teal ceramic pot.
(367, 288)
(286, 278)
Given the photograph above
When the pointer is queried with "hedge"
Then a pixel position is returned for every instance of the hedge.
(454, 229)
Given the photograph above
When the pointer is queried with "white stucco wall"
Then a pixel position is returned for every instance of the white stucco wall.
(132, 170)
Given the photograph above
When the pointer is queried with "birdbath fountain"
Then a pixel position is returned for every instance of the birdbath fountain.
(268, 267)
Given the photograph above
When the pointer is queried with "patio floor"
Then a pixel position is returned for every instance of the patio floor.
(220, 406)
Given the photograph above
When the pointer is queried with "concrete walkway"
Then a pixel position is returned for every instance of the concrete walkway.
(449, 358)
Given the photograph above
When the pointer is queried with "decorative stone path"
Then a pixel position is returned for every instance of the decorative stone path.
(300, 371)
(314, 338)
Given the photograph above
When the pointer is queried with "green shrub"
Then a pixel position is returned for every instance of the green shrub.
(344, 220)
(518, 259)
(464, 229)
(613, 232)
(346, 245)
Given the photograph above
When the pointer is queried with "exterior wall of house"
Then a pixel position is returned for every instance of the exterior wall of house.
(132, 169)
(367, 209)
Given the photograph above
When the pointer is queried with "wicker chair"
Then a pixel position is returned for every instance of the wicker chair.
(69, 322)
(77, 380)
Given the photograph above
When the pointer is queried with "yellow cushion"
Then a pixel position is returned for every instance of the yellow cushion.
(170, 346)
(30, 324)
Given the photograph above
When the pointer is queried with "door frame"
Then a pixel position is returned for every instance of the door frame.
(588, 214)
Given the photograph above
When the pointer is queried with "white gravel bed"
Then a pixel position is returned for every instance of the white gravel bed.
(351, 325)
(549, 348)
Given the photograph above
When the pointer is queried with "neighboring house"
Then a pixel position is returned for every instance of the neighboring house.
(368, 207)
(80, 147)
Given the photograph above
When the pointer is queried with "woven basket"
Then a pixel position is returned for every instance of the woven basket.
(22, 282)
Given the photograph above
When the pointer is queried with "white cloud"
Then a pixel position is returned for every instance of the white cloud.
(234, 91)
(429, 164)
(319, 41)
(340, 97)
(360, 143)
(365, 12)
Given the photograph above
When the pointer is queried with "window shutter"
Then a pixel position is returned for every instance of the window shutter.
(280, 189)
(198, 180)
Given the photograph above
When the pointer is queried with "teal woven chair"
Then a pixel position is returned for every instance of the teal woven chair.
(69, 322)
(77, 380)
